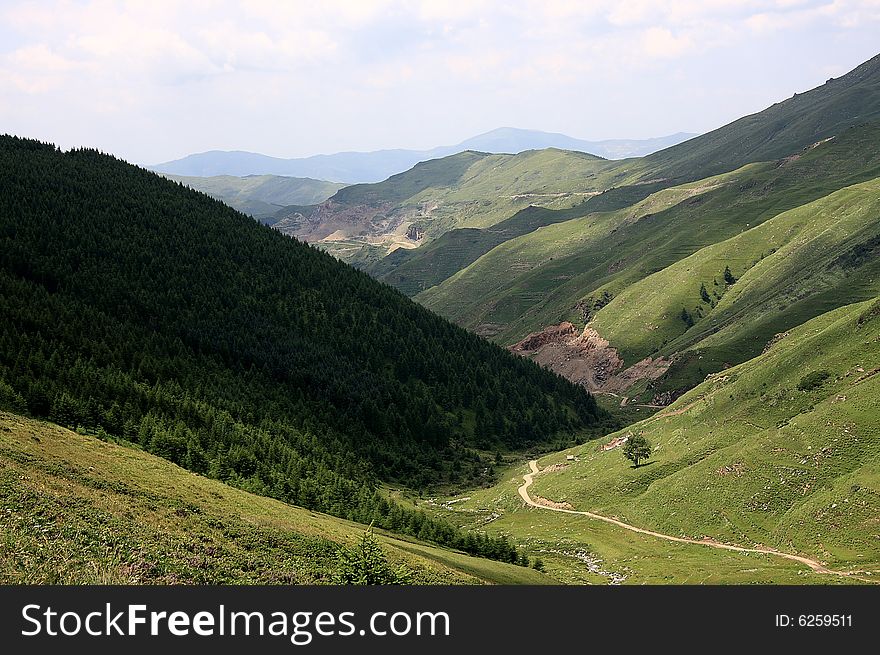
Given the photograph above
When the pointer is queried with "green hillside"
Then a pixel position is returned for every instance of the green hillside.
(431, 174)
(781, 451)
(553, 273)
(780, 130)
(418, 269)
(76, 510)
(261, 196)
(142, 309)
(789, 269)
(363, 223)
(478, 190)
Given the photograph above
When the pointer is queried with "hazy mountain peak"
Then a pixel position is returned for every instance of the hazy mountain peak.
(359, 167)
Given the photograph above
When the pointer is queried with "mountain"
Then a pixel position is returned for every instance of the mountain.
(137, 308)
(512, 141)
(571, 271)
(261, 196)
(621, 251)
(358, 167)
(787, 129)
(363, 222)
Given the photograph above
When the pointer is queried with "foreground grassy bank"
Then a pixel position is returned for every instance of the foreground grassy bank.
(77, 510)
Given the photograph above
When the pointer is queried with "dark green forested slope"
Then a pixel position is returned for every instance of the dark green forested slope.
(149, 311)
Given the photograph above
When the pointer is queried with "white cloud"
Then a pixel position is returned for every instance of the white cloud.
(38, 58)
(661, 42)
(221, 73)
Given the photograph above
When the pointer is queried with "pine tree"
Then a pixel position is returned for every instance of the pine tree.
(704, 294)
(686, 317)
(366, 564)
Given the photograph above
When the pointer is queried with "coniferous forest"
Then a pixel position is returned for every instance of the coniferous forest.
(141, 310)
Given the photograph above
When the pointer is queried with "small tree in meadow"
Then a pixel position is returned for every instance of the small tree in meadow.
(636, 449)
(704, 294)
(728, 276)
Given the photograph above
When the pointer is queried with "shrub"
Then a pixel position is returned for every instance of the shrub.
(813, 380)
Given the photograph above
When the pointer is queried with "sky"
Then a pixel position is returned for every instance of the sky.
(152, 81)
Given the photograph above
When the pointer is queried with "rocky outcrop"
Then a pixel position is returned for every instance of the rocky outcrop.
(341, 221)
(414, 233)
(554, 334)
(665, 397)
(586, 358)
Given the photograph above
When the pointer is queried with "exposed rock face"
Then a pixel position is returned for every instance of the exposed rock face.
(414, 233)
(665, 397)
(333, 218)
(586, 358)
(554, 334)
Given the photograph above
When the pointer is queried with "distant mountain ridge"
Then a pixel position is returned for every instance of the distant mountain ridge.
(261, 195)
(361, 167)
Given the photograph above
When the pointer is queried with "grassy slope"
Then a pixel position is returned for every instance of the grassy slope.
(478, 190)
(74, 509)
(753, 458)
(261, 195)
(578, 550)
(418, 269)
(776, 132)
(537, 279)
(514, 283)
(779, 130)
(747, 458)
(790, 268)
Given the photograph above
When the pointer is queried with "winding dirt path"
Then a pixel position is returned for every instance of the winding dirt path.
(816, 566)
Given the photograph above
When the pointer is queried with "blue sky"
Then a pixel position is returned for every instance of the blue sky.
(154, 80)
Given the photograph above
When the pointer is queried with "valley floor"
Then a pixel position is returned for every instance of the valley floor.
(582, 547)
(543, 503)
(764, 473)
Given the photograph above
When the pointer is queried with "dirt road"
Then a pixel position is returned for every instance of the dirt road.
(816, 566)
